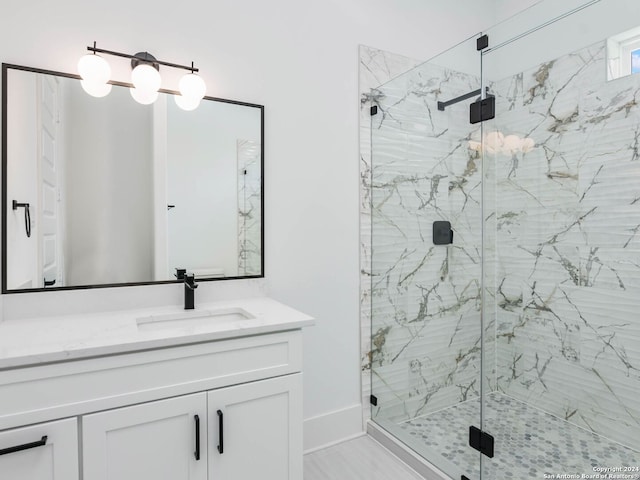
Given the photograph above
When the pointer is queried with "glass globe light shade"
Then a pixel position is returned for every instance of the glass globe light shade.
(192, 86)
(94, 69)
(146, 78)
(96, 89)
(143, 97)
(187, 103)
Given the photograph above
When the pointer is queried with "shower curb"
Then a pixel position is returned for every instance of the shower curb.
(425, 469)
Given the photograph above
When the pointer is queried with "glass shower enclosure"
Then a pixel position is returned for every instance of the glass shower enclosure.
(506, 253)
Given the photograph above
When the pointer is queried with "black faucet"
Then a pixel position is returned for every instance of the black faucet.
(189, 290)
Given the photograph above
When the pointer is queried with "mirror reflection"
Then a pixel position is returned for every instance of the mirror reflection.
(108, 191)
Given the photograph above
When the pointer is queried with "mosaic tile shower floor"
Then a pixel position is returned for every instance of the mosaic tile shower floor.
(528, 442)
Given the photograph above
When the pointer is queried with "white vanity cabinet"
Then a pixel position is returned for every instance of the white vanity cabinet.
(160, 440)
(257, 430)
(146, 414)
(48, 451)
(253, 430)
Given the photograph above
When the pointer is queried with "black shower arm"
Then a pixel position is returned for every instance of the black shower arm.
(475, 93)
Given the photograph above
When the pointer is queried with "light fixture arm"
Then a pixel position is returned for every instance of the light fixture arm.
(95, 49)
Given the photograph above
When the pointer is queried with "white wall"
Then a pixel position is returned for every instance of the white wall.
(300, 60)
(202, 183)
(585, 27)
(108, 188)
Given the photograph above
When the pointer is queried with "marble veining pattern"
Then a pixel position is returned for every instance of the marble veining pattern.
(562, 243)
(376, 68)
(568, 270)
(249, 208)
(425, 298)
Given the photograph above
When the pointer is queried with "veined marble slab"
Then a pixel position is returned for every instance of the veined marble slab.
(42, 340)
(568, 253)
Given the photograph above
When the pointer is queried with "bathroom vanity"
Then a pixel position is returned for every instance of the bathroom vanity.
(214, 393)
(158, 394)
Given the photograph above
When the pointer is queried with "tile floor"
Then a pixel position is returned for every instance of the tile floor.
(360, 459)
(529, 442)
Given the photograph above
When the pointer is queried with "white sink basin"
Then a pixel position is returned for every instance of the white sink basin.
(192, 318)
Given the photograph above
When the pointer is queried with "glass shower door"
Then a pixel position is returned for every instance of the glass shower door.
(426, 238)
(562, 244)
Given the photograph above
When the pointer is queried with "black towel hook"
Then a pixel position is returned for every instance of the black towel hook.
(27, 215)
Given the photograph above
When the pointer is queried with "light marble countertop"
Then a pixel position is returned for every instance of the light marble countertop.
(35, 341)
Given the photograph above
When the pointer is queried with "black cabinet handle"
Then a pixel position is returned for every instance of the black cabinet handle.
(50, 283)
(26, 446)
(197, 452)
(220, 432)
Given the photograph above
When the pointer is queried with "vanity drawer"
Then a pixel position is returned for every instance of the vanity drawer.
(36, 394)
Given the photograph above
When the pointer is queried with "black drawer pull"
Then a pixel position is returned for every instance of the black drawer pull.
(220, 432)
(26, 446)
(197, 452)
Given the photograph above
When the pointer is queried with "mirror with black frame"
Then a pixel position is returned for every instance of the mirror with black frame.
(108, 192)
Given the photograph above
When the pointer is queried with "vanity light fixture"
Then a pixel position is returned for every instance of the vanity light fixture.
(95, 72)
(145, 77)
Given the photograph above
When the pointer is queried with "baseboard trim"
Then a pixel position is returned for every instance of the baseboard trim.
(332, 428)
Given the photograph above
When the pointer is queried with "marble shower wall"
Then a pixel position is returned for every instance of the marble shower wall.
(249, 207)
(376, 68)
(568, 249)
(425, 299)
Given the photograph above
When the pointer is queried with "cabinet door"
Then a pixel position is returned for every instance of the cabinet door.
(255, 430)
(151, 441)
(43, 452)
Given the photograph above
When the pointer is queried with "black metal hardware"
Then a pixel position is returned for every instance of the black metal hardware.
(481, 441)
(27, 215)
(49, 283)
(464, 478)
(373, 110)
(482, 110)
(145, 57)
(180, 273)
(169, 207)
(26, 446)
(220, 432)
(189, 291)
(475, 93)
(197, 452)
(373, 400)
(442, 233)
(482, 42)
